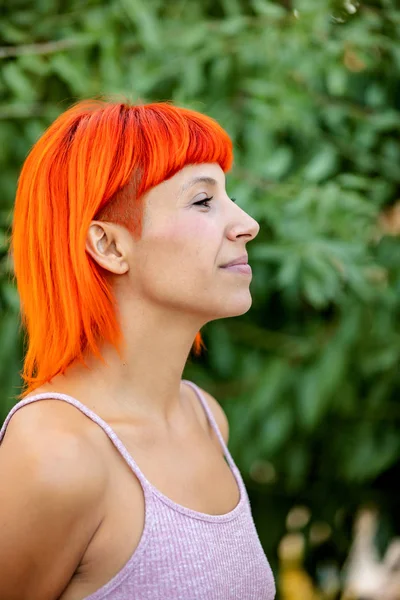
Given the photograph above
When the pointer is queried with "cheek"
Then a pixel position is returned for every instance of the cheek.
(180, 254)
(192, 242)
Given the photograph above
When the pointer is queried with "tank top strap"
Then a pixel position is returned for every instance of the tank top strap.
(212, 421)
(91, 415)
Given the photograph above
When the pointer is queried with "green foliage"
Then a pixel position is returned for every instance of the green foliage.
(309, 93)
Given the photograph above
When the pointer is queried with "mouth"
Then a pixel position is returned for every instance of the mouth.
(238, 265)
(241, 260)
(243, 268)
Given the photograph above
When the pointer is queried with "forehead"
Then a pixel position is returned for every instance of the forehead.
(192, 175)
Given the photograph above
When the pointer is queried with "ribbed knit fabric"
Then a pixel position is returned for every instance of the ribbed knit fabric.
(184, 554)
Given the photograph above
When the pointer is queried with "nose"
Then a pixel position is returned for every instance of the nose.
(242, 225)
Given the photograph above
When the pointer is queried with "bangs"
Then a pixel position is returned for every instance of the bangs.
(176, 139)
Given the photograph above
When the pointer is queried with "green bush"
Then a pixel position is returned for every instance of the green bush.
(309, 92)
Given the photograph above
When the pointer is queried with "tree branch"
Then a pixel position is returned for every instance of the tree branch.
(44, 48)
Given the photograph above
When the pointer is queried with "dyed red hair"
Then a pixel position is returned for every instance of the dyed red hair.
(95, 161)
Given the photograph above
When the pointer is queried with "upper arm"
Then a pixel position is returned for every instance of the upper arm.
(49, 508)
(219, 415)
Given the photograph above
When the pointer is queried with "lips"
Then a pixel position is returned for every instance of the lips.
(238, 265)
(242, 260)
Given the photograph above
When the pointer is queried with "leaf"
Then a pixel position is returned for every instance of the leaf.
(367, 456)
(18, 82)
(71, 72)
(275, 429)
(322, 165)
(268, 9)
(297, 463)
(279, 163)
(336, 81)
(221, 349)
(314, 290)
(148, 26)
(9, 356)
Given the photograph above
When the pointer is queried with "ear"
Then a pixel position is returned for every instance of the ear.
(107, 244)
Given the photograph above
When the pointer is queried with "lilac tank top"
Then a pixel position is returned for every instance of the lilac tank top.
(184, 554)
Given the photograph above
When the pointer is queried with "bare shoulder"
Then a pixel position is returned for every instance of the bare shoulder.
(54, 489)
(54, 444)
(51, 434)
(219, 414)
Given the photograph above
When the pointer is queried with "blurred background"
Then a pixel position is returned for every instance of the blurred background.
(309, 91)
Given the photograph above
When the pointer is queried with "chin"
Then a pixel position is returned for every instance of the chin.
(239, 311)
(234, 308)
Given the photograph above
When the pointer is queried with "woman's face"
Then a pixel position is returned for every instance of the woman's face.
(178, 263)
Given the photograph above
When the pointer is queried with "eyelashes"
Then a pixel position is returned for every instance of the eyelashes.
(206, 202)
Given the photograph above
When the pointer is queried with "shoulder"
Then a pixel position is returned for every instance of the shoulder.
(46, 456)
(54, 492)
(53, 446)
(48, 442)
(218, 413)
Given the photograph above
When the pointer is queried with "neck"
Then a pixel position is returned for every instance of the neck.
(145, 379)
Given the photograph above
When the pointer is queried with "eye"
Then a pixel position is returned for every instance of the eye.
(205, 202)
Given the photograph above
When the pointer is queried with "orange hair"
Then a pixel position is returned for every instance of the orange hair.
(82, 169)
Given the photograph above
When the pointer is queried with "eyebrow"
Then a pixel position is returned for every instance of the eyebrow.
(194, 180)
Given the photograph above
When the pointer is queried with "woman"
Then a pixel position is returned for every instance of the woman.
(125, 244)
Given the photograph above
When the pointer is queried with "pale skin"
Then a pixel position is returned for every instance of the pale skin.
(72, 512)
